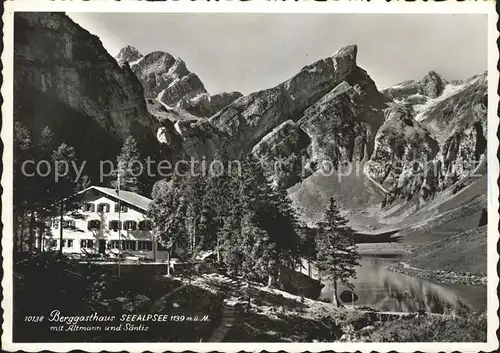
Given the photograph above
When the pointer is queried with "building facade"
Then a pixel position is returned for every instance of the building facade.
(104, 221)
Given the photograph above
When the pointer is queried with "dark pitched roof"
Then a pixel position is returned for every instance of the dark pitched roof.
(129, 197)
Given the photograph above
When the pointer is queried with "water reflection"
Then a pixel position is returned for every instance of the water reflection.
(385, 290)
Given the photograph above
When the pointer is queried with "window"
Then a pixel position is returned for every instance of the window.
(87, 244)
(68, 224)
(94, 224)
(115, 225)
(129, 225)
(103, 207)
(145, 245)
(67, 243)
(114, 244)
(56, 223)
(89, 207)
(48, 223)
(122, 207)
(128, 244)
(145, 225)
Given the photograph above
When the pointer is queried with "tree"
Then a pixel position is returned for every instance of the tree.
(308, 246)
(337, 255)
(128, 167)
(22, 152)
(168, 213)
(66, 184)
(196, 220)
(42, 199)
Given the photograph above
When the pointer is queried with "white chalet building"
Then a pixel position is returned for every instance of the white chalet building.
(98, 228)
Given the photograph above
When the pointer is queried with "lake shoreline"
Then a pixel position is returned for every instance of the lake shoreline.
(404, 252)
(441, 276)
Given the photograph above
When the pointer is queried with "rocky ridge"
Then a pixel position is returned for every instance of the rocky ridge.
(431, 86)
(168, 80)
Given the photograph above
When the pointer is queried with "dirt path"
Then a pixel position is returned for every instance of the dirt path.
(228, 318)
(229, 312)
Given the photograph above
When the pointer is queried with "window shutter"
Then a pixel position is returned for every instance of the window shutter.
(117, 207)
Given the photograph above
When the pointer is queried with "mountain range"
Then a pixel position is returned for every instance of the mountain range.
(419, 147)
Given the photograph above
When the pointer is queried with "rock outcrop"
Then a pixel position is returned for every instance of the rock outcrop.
(454, 124)
(221, 100)
(467, 105)
(128, 54)
(168, 79)
(403, 148)
(283, 151)
(343, 123)
(65, 79)
(250, 118)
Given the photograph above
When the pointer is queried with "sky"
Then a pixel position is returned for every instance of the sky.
(250, 52)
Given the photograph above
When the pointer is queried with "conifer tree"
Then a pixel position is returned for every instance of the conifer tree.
(337, 255)
(129, 167)
(168, 213)
(195, 193)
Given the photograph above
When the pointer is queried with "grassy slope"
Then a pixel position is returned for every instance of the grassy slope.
(354, 193)
(446, 215)
(465, 252)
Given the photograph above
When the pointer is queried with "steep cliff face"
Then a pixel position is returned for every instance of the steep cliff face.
(343, 123)
(403, 147)
(283, 152)
(65, 79)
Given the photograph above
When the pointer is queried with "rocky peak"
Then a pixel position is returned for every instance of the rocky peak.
(432, 85)
(251, 117)
(128, 54)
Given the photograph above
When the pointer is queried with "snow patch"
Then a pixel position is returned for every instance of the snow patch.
(449, 90)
